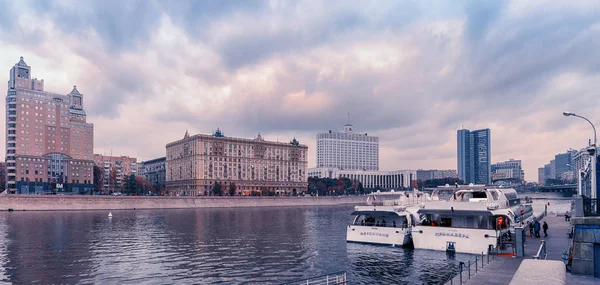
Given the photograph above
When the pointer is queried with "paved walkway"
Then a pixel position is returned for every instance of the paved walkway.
(502, 269)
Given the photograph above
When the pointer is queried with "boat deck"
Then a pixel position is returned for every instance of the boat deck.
(502, 269)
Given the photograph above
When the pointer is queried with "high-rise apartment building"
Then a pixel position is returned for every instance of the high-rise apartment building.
(563, 163)
(49, 144)
(255, 166)
(347, 150)
(473, 156)
(115, 170)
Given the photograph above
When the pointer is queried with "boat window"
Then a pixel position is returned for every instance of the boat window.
(483, 222)
(479, 195)
(471, 222)
(446, 222)
(459, 221)
(381, 221)
(494, 195)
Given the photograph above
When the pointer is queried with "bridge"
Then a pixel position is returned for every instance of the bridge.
(572, 188)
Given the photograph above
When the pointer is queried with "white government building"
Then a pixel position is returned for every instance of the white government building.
(356, 156)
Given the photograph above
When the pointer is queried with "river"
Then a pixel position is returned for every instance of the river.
(204, 246)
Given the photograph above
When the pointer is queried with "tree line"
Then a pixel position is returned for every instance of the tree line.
(334, 186)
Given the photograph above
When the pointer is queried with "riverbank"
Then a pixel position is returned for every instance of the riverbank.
(75, 202)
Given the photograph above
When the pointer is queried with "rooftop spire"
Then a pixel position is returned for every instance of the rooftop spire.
(22, 62)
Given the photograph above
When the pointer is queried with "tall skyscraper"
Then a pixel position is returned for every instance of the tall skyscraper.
(49, 144)
(347, 150)
(473, 156)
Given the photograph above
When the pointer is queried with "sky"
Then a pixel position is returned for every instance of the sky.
(410, 72)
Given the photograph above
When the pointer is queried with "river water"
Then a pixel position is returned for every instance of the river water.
(203, 246)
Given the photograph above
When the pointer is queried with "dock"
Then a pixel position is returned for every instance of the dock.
(502, 269)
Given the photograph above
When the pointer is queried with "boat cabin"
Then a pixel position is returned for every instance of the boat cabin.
(464, 219)
(384, 219)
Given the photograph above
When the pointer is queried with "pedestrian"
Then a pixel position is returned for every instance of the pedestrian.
(536, 228)
(530, 229)
(545, 227)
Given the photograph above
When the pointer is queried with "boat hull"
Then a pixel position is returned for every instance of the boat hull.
(378, 235)
(460, 240)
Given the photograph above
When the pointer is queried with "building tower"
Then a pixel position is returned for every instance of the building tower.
(49, 144)
(474, 156)
(347, 150)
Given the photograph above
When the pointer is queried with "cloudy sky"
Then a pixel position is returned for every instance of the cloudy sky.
(410, 72)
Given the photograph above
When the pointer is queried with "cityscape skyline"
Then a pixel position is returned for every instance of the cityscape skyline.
(176, 78)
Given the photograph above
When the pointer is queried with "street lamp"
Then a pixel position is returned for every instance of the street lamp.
(592, 151)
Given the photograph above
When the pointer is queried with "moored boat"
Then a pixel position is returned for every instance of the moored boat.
(469, 219)
(388, 218)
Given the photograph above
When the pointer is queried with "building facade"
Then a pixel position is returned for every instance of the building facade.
(541, 176)
(474, 156)
(580, 159)
(347, 150)
(425, 175)
(49, 144)
(398, 180)
(508, 171)
(115, 170)
(155, 171)
(255, 166)
(563, 163)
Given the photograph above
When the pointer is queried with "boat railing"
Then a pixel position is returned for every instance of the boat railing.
(405, 201)
(541, 254)
(336, 278)
(468, 269)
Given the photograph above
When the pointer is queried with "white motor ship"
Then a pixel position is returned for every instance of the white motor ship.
(387, 218)
(469, 219)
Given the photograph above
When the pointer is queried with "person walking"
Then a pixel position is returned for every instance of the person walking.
(530, 229)
(536, 228)
(545, 227)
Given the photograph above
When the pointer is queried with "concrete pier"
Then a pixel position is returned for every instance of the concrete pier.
(503, 269)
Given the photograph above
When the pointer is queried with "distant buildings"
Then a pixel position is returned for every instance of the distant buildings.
(356, 156)
(424, 175)
(115, 170)
(474, 156)
(255, 166)
(49, 144)
(563, 167)
(541, 176)
(155, 171)
(347, 150)
(508, 171)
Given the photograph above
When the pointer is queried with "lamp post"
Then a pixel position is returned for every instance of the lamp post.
(591, 151)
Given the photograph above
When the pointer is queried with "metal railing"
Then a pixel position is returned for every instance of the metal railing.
(466, 271)
(336, 278)
(541, 254)
(591, 207)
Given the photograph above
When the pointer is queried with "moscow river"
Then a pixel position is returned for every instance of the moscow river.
(204, 246)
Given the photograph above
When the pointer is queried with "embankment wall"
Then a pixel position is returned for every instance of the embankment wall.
(68, 202)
